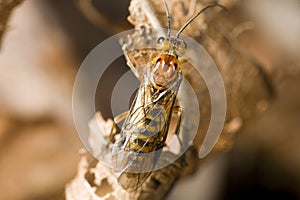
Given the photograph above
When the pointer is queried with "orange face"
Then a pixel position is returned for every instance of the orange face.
(165, 70)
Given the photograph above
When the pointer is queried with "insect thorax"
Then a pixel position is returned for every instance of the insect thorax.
(146, 127)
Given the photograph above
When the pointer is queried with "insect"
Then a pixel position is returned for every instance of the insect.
(147, 124)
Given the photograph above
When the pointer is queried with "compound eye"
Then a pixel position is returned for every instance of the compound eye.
(160, 40)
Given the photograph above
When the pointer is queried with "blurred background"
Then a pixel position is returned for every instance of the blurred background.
(44, 45)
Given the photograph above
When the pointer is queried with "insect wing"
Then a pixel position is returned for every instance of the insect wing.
(133, 162)
(131, 181)
(139, 144)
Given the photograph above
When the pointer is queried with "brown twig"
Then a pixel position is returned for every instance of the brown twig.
(97, 18)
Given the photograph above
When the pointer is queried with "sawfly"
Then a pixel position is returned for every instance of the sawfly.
(136, 149)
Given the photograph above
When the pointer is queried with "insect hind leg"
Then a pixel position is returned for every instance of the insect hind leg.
(175, 129)
(179, 111)
(116, 120)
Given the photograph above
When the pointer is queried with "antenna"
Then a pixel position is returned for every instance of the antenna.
(168, 18)
(195, 16)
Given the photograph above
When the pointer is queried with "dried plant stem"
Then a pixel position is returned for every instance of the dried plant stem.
(95, 17)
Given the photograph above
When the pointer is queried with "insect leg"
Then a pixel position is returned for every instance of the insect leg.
(179, 111)
(116, 120)
(120, 117)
